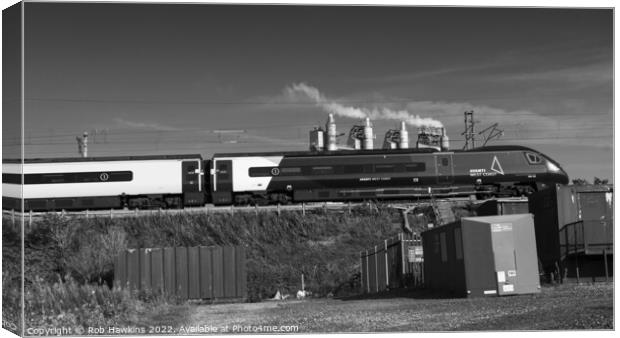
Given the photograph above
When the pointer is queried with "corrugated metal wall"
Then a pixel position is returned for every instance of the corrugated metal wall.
(189, 272)
(392, 264)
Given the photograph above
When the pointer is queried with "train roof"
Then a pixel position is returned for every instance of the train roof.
(104, 158)
(371, 151)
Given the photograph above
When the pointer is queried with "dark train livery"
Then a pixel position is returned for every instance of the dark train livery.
(277, 177)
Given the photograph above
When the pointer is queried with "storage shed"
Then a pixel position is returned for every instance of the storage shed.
(482, 256)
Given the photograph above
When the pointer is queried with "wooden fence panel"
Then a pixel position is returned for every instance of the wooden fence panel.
(190, 273)
(181, 272)
(206, 273)
(241, 276)
(193, 260)
(157, 269)
(218, 278)
(145, 269)
(169, 271)
(228, 256)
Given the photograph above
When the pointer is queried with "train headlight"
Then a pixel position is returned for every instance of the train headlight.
(552, 167)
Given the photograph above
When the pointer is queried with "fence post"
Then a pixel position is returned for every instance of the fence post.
(303, 208)
(278, 208)
(387, 270)
(30, 218)
(376, 270)
(577, 272)
(232, 210)
(256, 209)
(349, 207)
(13, 216)
(367, 272)
(111, 213)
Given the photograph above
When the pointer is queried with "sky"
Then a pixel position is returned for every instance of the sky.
(173, 79)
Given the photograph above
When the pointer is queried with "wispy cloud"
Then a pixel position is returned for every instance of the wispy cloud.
(144, 125)
(582, 76)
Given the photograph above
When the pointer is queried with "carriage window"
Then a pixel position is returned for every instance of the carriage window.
(419, 166)
(533, 158)
(290, 170)
(353, 169)
(384, 168)
(12, 178)
(445, 162)
(83, 177)
(322, 170)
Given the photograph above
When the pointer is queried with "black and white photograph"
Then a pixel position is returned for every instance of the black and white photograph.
(306, 168)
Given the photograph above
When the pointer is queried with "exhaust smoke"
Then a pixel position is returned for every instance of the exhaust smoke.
(302, 90)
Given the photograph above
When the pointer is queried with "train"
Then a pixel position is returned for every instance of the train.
(178, 181)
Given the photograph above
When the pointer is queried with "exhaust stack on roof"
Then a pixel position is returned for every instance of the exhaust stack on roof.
(331, 133)
(397, 138)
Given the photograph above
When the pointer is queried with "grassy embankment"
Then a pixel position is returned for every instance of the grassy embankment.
(69, 261)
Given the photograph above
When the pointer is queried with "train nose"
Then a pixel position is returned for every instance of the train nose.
(555, 169)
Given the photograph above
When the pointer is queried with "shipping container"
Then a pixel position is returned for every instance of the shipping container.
(503, 206)
(574, 220)
(482, 256)
(394, 263)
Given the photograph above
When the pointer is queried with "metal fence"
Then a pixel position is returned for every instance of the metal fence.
(216, 272)
(396, 263)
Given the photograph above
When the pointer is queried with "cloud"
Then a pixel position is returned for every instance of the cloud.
(143, 125)
(580, 76)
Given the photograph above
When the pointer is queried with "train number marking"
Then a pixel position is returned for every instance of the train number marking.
(275, 171)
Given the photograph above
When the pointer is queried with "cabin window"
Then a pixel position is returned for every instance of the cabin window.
(533, 158)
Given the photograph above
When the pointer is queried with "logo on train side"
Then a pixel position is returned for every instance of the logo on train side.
(496, 168)
(275, 171)
(104, 176)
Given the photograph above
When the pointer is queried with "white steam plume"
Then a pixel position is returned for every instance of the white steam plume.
(295, 90)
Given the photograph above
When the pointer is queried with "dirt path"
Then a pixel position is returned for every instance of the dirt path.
(564, 307)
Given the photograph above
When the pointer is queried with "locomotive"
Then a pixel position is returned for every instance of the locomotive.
(177, 181)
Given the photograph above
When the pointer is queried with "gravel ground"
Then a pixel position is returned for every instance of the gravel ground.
(565, 307)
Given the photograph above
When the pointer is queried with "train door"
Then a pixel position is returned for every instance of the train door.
(222, 185)
(444, 168)
(192, 183)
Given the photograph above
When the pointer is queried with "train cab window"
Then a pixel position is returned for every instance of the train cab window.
(533, 158)
(445, 162)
